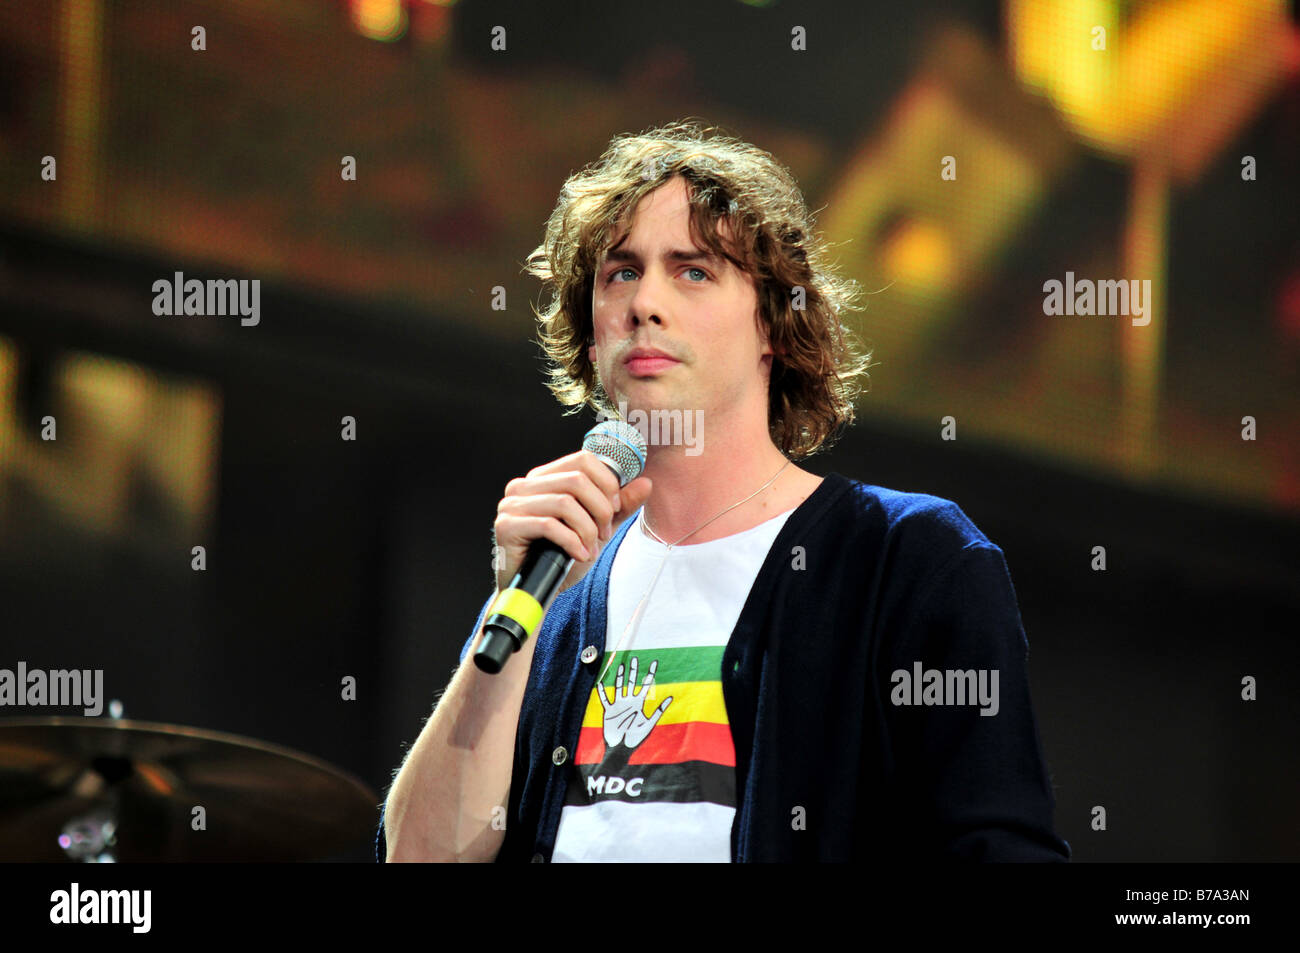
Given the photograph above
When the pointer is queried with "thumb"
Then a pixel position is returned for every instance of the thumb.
(631, 497)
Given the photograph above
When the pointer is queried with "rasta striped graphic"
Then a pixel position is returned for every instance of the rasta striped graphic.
(656, 729)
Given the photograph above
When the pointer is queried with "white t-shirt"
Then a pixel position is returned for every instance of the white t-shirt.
(654, 776)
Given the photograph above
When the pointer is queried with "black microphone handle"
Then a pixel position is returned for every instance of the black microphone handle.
(540, 574)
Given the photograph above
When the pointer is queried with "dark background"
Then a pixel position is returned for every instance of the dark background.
(371, 558)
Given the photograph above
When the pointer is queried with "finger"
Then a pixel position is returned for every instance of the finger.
(632, 497)
(558, 465)
(585, 461)
(604, 478)
(561, 506)
(606, 483)
(599, 471)
(574, 482)
(648, 683)
(658, 712)
(537, 527)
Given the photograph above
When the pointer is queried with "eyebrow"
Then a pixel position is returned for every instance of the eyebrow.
(672, 255)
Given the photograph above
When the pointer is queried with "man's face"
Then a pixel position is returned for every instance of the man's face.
(655, 289)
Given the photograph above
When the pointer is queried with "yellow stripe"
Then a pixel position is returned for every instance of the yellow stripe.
(692, 701)
(520, 606)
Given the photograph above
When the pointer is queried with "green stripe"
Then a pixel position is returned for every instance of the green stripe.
(702, 664)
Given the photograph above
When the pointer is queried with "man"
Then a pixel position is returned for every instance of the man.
(828, 670)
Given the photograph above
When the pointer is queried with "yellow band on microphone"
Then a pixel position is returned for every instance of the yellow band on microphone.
(520, 606)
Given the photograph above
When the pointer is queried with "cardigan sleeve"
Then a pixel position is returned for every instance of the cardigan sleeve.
(970, 771)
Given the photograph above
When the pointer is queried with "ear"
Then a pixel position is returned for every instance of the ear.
(764, 336)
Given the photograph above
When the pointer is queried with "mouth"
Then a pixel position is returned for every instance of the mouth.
(649, 365)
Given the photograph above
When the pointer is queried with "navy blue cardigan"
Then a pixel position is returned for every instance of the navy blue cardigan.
(861, 582)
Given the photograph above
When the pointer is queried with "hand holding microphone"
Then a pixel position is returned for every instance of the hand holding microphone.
(545, 521)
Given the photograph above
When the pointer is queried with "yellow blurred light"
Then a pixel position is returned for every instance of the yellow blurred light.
(379, 19)
(1052, 50)
(1159, 68)
(919, 254)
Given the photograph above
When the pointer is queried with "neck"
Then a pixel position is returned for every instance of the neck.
(691, 490)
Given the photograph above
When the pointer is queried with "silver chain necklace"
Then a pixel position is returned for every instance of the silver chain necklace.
(636, 613)
(646, 524)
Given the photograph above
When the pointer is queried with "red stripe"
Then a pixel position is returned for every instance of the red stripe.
(667, 744)
(591, 746)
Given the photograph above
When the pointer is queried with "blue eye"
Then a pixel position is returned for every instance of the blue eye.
(618, 271)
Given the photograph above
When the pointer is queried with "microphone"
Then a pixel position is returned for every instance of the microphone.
(516, 613)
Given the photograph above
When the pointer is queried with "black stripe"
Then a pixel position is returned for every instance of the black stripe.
(685, 782)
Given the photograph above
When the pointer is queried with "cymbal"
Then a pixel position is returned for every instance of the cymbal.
(260, 802)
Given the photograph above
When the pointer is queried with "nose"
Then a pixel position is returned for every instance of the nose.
(648, 303)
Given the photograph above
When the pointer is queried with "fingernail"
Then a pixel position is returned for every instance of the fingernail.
(618, 501)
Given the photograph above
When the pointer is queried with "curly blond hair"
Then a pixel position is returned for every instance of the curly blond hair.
(817, 369)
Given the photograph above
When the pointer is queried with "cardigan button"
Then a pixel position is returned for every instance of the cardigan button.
(538, 859)
(588, 654)
(558, 755)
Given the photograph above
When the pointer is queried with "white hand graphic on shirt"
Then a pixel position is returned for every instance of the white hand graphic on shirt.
(625, 721)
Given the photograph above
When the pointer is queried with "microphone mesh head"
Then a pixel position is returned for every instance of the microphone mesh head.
(620, 445)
